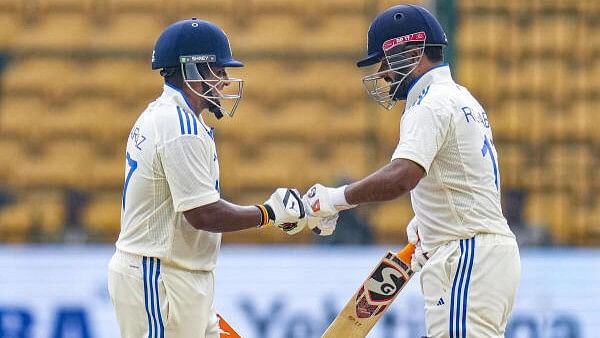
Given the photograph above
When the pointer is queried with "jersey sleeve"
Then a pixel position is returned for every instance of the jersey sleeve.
(187, 163)
(422, 133)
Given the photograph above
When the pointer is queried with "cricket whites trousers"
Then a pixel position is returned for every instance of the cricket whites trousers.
(469, 287)
(154, 300)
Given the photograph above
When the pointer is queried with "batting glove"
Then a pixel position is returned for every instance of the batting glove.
(284, 209)
(322, 226)
(324, 201)
(419, 257)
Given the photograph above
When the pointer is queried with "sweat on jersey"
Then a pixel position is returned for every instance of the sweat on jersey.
(171, 167)
(445, 130)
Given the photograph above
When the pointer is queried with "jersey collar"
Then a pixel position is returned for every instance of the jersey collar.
(174, 94)
(437, 74)
(170, 92)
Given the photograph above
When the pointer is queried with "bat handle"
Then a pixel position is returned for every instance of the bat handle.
(406, 253)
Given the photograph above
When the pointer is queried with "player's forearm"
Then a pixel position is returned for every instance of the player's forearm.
(387, 183)
(223, 216)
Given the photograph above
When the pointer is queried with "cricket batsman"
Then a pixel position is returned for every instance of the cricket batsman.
(467, 256)
(160, 278)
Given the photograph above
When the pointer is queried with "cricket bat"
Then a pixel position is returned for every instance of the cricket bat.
(374, 296)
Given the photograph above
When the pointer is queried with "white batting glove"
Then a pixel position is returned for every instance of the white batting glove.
(412, 231)
(285, 210)
(322, 226)
(323, 201)
(419, 258)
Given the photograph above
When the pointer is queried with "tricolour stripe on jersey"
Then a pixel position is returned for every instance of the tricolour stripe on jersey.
(180, 120)
(459, 297)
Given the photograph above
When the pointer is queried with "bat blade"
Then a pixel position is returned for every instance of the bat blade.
(374, 296)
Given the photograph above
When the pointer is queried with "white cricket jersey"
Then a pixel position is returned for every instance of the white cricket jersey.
(446, 131)
(171, 167)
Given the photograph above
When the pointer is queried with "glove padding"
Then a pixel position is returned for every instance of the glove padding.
(323, 201)
(419, 258)
(285, 210)
(322, 226)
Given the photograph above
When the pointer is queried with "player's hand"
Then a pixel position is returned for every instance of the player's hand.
(322, 226)
(285, 209)
(419, 258)
(323, 201)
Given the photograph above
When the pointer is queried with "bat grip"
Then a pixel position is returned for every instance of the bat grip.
(406, 253)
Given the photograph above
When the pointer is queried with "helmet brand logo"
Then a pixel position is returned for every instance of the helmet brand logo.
(393, 42)
(197, 58)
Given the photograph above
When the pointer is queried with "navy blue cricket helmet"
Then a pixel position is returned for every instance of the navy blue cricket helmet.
(192, 37)
(197, 47)
(398, 21)
(397, 37)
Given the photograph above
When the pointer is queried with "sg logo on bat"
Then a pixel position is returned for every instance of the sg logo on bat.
(382, 286)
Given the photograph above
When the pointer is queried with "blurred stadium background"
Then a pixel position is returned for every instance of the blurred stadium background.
(75, 74)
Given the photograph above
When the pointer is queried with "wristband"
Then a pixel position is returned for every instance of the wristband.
(263, 216)
(267, 216)
(338, 198)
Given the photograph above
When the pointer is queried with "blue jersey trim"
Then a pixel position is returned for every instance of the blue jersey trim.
(180, 93)
(464, 314)
(420, 76)
(187, 122)
(160, 321)
(180, 121)
(145, 272)
(453, 294)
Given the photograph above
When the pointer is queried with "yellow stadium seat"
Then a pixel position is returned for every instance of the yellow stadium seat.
(62, 163)
(341, 33)
(108, 170)
(569, 167)
(101, 118)
(552, 210)
(485, 88)
(48, 32)
(11, 153)
(484, 34)
(137, 31)
(113, 77)
(334, 159)
(199, 8)
(102, 217)
(519, 119)
(265, 164)
(54, 79)
(138, 6)
(277, 32)
(338, 7)
(575, 123)
(549, 34)
(380, 5)
(390, 219)
(513, 160)
(47, 210)
(11, 24)
(19, 116)
(15, 223)
(275, 81)
(59, 6)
